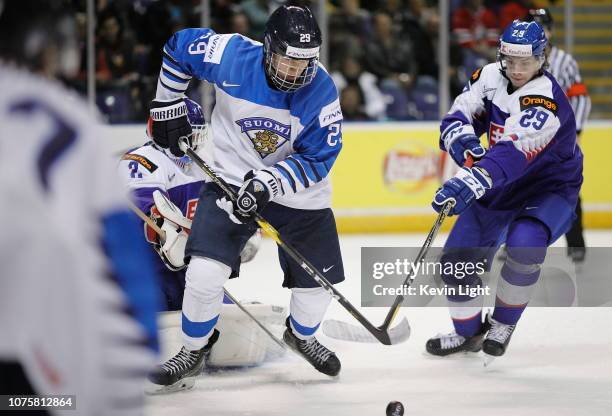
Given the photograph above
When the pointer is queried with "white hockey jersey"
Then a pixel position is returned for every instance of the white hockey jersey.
(531, 133)
(147, 168)
(295, 135)
(70, 255)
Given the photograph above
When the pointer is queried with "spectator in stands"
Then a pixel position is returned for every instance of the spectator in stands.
(475, 28)
(514, 9)
(349, 27)
(257, 12)
(390, 57)
(117, 81)
(113, 52)
(239, 23)
(353, 103)
(387, 55)
(420, 25)
(372, 101)
(221, 13)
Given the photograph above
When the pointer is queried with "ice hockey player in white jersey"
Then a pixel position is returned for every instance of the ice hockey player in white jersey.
(149, 170)
(522, 191)
(276, 131)
(77, 295)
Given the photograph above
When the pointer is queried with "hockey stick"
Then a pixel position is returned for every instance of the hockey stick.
(349, 332)
(382, 334)
(162, 234)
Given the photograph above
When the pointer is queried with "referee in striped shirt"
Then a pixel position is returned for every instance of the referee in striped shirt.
(564, 68)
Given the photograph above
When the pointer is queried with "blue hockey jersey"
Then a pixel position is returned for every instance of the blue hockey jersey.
(531, 133)
(296, 135)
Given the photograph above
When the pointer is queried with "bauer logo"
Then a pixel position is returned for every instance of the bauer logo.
(265, 134)
(410, 167)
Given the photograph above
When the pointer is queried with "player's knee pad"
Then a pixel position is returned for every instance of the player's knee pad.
(527, 241)
(206, 277)
(307, 308)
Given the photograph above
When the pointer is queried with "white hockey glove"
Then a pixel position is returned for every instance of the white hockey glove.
(170, 246)
(251, 247)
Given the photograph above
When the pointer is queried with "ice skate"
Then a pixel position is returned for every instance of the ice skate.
(446, 344)
(180, 371)
(497, 339)
(314, 352)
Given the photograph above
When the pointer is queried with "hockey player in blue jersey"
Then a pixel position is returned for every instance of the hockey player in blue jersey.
(522, 191)
(149, 170)
(276, 132)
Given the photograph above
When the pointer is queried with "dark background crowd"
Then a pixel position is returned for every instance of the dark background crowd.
(382, 54)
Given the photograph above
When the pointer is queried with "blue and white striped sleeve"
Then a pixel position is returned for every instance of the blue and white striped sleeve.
(181, 60)
(316, 147)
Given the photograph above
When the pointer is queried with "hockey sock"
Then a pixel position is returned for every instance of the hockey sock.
(466, 316)
(307, 308)
(526, 248)
(202, 301)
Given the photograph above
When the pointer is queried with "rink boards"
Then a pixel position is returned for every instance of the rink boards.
(387, 173)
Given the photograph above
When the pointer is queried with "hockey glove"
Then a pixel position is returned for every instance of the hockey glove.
(171, 248)
(259, 188)
(468, 185)
(169, 124)
(460, 141)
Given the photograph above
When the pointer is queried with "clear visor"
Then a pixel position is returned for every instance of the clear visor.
(521, 64)
(289, 74)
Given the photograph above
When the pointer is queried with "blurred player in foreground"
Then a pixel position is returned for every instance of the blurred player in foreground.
(564, 68)
(77, 295)
(522, 191)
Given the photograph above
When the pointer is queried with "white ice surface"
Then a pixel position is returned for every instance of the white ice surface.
(559, 362)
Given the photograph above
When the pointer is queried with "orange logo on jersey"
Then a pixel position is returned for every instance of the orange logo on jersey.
(538, 101)
(475, 75)
(150, 166)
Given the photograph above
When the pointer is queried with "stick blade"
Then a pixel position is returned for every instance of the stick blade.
(348, 332)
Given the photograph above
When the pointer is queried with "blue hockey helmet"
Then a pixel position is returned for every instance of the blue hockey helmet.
(195, 115)
(292, 42)
(523, 40)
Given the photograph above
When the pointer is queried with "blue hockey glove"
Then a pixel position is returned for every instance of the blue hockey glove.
(259, 188)
(460, 141)
(468, 185)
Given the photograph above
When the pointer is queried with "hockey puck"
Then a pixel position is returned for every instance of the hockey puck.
(395, 409)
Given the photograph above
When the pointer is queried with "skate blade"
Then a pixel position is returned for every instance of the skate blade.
(183, 384)
(488, 360)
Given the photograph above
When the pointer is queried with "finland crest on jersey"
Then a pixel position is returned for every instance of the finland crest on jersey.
(296, 135)
(267, 135)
